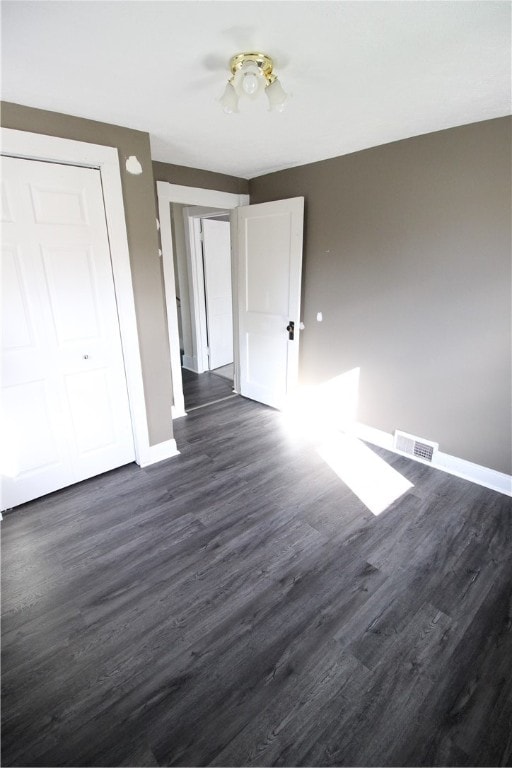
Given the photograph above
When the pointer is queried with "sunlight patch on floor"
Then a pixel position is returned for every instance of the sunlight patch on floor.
(314, 411)
(367, 475)
(323, 415)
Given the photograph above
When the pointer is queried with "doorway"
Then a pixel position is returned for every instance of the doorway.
(187, 196)
(266, 262)
(203, 278)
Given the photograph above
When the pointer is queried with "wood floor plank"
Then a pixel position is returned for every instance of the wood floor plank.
(199, 389)
(239, 605)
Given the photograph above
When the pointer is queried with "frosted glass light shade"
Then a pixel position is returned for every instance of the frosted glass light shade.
(229, 100)
(276, 96)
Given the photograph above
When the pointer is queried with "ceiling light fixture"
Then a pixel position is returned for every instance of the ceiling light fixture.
(252, 73)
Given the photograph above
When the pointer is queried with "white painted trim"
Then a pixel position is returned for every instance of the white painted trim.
(159, 452)
(234, 272)
(175, 193)
(206, 213)
(197, 303)
(176, 414)
(467, 470)
(164, 215)
(36, 146)
(209, 198)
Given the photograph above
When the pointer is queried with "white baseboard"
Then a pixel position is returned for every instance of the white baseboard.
(475, 473)
(177, 413)
(159, 452)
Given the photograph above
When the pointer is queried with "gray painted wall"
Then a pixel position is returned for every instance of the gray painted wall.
(408, 257)
(193, 177)
(139, 203)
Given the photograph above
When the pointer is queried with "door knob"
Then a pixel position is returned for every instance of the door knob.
(291, 330)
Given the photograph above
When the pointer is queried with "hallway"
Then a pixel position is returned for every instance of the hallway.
(200, 389)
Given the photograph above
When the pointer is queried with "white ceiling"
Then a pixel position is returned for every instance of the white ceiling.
(360, 73)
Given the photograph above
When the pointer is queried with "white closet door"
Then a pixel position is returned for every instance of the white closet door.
(64, 399)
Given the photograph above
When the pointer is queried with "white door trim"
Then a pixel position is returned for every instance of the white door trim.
(34, 146)
(196, 291)
(175, 193)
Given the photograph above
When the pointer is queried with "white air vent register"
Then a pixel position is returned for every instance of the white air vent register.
(421, 449)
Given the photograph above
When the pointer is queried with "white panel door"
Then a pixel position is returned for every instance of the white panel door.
(269, 285)
(217, 283)
(65, 411)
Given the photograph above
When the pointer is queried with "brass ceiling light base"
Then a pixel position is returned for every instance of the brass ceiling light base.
(262, 61)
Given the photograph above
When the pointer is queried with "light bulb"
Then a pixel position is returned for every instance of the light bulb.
(250, 83)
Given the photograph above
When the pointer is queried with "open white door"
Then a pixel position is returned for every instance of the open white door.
(217, 283)
(269, 257)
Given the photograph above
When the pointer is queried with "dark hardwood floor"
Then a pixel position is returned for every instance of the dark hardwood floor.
(203, 388)
(238, 605)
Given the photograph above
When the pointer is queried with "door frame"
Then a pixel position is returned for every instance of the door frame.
(193, 216)
(207, 198)
(35, 146)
